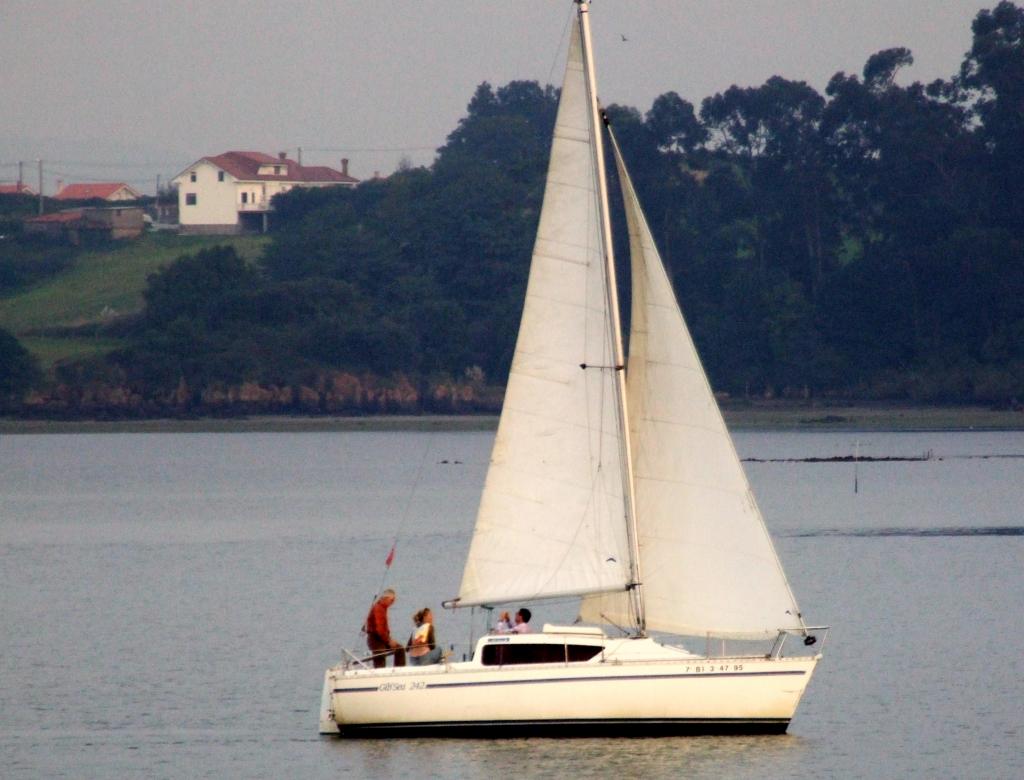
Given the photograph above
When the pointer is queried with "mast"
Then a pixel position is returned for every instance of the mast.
(596, 121)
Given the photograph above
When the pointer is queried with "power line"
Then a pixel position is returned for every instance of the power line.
(76, 177)
(351, 151)
(84, 164)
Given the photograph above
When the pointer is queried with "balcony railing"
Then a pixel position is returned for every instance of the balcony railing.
(255, 205)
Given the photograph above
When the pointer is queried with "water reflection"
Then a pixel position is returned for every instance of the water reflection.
(632, 757)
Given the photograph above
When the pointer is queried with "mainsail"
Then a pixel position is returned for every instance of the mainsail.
(552, 516)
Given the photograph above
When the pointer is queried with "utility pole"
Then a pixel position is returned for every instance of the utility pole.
(40, 187)
(21, 176)
(300, 156)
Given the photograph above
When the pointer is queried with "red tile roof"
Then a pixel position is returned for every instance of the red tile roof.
(72, 215)
(101, 190)
(245, 166)
(19, 188)
(323, 173)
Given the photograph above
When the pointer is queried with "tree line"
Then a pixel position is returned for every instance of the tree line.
(867, 242)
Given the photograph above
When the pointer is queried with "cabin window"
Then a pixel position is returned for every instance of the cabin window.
(578, 653)
(190, 199)
(220, 175)
(192, 176)
(513, 654)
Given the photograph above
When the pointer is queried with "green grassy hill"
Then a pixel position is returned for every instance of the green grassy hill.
(99, 286)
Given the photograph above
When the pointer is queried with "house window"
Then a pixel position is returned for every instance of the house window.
(220, 175)
(245, 197)
(277, 170)
(192, 176)
(190, 199)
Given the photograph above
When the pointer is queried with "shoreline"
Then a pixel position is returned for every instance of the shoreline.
(767, 417)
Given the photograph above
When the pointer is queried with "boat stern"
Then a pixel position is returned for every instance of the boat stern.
(327, 723)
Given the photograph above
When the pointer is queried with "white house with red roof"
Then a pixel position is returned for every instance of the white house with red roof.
(231, 192)
(110, 191)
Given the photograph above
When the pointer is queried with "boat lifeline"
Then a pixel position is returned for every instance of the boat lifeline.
(614, 481)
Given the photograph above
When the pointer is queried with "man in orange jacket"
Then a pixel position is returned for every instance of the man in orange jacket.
(378, 635)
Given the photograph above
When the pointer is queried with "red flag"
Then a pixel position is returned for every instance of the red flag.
(390, 558)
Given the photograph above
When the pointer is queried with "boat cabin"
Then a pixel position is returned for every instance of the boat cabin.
(555, 645)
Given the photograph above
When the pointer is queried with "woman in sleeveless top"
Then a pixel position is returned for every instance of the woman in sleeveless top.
(423, 647)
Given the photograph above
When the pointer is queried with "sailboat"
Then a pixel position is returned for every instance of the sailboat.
(613, 481)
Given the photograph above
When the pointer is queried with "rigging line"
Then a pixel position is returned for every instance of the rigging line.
(405, 510)
(607, 359)
(398, 531)
(561, 44)
(615, 326)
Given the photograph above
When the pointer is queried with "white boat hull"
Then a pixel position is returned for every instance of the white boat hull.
(641, 697)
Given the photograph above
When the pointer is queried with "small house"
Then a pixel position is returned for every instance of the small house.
(231, 192)
(84, 225)
(109, 191)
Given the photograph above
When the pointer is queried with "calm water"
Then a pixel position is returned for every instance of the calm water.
(169, 602)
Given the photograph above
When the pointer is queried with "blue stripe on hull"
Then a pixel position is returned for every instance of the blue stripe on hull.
(612, 678)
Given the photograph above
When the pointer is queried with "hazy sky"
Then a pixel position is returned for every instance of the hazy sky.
(126, 90)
